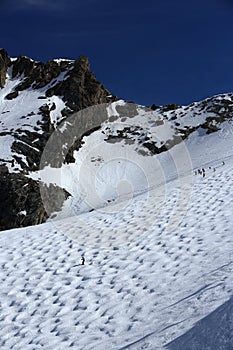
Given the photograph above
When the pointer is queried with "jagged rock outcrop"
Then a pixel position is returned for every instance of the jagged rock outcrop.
(81, 89)
(20, 203)
(23, 65)
(5, 62)
(36, 74)
(77, 88)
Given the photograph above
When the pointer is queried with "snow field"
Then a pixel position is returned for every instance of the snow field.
(156, 262)
(141, 286)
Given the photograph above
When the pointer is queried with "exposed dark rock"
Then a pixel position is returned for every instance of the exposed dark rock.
(5, 62)
(170, 107)
(154, 107)
(19, 195)
(36, 74)
(44, 73)
(69, 158)
(151, 146)
(210, 127)
(81, 88)
(21, 203)
(23, 65)
(12, 95)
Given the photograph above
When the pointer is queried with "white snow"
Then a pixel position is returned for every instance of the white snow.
(59, 60)
(55, 114)
(145, 282)
(23, 212)
(111, 110)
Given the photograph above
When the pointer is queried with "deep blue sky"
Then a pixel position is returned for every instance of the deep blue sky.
(150, 51)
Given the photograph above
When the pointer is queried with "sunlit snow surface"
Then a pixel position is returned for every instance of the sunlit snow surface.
(143, 284)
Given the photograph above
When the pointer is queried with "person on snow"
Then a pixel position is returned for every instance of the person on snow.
(203, 172)
(82, 260)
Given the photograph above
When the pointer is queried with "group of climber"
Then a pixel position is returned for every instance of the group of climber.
(202, 171)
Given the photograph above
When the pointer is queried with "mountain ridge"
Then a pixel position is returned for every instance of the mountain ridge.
(39, 100)
(37, 92)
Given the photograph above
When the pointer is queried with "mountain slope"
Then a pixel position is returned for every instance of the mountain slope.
(121, 157)
(57, 115)
(119, 184)
(213, 332)
(144, 283)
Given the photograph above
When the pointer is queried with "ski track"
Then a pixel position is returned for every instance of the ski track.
(141, 284)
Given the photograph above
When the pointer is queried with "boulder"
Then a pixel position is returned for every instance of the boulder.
(21, 203)
(12, 95)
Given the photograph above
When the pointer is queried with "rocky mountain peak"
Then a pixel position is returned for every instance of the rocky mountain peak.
(35, 97)
(78, 87)
(81, 89)
(82, 64)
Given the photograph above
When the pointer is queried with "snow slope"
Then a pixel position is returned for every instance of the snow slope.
(120, 160)
(213, 332)
(156, 263)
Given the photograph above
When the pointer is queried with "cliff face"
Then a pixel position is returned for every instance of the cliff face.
(34, 98)
(5, 62)
(79, 87)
